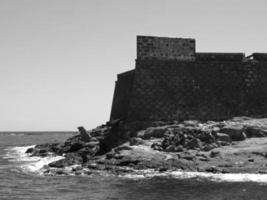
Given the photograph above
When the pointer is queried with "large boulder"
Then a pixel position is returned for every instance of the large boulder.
(255, 131)
(209, 147)
(223, 137)
(153, 132)
(136, 141)
(43, 150)
(170, 148)
(76, 146)
(85, 137)
(236, 132)
(194, 143)
(70, 159)
(206, 136)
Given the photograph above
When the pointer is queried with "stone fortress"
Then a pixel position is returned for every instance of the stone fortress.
(173, 82)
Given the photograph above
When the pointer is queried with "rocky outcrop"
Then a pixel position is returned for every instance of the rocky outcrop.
(190, 145)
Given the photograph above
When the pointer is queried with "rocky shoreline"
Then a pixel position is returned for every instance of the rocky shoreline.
(238, 145)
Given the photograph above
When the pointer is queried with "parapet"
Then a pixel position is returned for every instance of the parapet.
(220, 57)
(260, 56)
(164, 48)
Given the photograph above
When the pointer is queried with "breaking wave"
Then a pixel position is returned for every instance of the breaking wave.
(32, 164)
(228, 177)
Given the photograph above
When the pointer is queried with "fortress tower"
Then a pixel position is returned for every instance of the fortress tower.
(171, 81)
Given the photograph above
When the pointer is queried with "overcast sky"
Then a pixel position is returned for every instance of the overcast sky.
(59, 58)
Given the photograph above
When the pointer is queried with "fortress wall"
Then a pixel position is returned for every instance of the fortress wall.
(122, 95)
(165, 48)
(170, 90)
(205, 56)
(173, 82)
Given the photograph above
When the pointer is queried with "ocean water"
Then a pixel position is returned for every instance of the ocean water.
(19, 179)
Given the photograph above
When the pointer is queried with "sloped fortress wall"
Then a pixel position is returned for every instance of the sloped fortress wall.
(190, 85)
(122, 95)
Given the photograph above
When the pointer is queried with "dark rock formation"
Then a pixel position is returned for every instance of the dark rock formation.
(188, 145)
(85, 137)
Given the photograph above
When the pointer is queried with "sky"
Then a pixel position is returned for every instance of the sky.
(59, 58)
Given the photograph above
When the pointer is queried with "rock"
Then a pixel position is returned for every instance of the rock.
(122, 147)
(193, 123)
(126, 161)
(179, 148)
(110, 155)
(262, 171)
(212, 169)
(86, 153)
(29, 150)
(43, 149)
(227, 165)
(207, 137)
(170, 148)
(223, 143)
(136, 141)
(225, 171)
(157, 146)
(94, 139)
(92, 144)
(215, 129)
(194, 143)
(153, 132)
(214, 154)
(243, 136)
(203, 159)
(209, 147)
(241, 119)
(43, 152)
(85, 137)
(188, 157)
(118, 156)
(263, 154)
(254, 131)
(223, 137)
(67, 170)
(76, 167)
(87, 172)
(163, 169)
(236, 132)
(70, 159)
(76, 146)
(92, 166)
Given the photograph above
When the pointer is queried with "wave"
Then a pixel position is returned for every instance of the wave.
(12, 134)
(32, 164)
(227, 177)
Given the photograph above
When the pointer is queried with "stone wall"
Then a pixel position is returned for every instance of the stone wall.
(165, 48)
(173, 82)
(174, 90)
(122, 95)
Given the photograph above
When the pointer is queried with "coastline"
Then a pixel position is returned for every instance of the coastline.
(213, 150)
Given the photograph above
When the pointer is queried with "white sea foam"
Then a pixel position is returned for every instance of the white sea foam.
(229, 177)
(29, 163)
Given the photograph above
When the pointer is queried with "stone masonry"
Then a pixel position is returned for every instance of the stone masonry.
(172, 82)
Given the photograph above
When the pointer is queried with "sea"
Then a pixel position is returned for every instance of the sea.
(20, 179)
